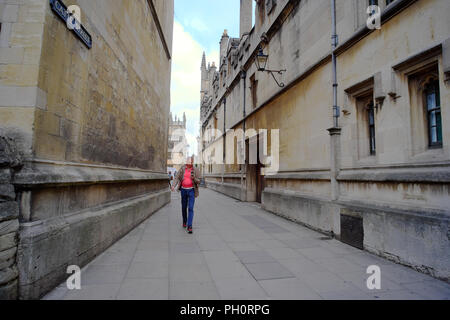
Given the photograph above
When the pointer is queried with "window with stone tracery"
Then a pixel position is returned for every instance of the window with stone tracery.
(425, 108)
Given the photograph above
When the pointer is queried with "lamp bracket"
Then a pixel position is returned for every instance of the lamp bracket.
(272, 73)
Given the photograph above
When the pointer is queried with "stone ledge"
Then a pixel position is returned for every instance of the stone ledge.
(226, 175)
(296, 194)
(408, 175)
(225, 184)
(427, 214)
(307, 175)
(60, 174)
(354, 204)
(229, 189)
(37, 228)
(75, 240)
(416, 238)
(312, 212)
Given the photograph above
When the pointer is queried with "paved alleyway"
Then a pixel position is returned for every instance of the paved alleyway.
(239, 251)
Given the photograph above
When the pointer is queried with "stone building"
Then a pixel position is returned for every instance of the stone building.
(86, 106)
(372, 169)
(178, 144)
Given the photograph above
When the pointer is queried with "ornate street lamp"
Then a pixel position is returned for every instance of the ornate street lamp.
(261, 62)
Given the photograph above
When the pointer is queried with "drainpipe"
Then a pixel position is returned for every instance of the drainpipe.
(335, 131)
(244, 168)
(224, 137)
(334, 44)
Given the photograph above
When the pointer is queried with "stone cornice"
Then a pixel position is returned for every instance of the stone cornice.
(398, 174)
(52, 173)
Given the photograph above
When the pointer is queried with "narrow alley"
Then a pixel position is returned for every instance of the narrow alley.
(239, 251)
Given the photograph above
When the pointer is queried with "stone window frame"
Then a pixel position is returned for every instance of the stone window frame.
(361, 96)
(366, 130)
(412, 74)
(417, 80)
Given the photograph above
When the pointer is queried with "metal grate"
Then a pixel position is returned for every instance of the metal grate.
(352, 231)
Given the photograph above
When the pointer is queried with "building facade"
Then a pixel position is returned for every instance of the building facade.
(86, 106)
(178, 144)
(372, 168)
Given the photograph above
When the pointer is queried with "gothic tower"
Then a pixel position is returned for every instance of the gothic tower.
(204, 86)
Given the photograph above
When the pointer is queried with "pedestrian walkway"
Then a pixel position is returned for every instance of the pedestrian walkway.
(239, 251)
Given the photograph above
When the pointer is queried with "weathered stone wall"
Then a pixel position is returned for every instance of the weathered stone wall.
(90, 124)
(404, 186)
(20, 52)
(116, 95)
(9, 220)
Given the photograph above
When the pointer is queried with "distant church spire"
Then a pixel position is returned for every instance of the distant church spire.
(204, 83)
(204, 60)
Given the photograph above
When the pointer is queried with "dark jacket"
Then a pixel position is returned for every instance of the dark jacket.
(180, 176)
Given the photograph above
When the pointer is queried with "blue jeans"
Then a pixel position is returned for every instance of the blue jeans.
(187, 200)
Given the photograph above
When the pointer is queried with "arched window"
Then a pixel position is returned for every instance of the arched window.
(433, 109)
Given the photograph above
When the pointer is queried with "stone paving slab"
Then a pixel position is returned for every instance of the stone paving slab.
(239, 252)
(268, 271)
(241, 289)
(254, 256)
(187, 290)
(289, 289)
(144, 289)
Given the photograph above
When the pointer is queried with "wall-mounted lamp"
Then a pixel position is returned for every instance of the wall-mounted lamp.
(261, 62)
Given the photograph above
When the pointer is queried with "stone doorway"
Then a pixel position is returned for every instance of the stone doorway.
(255, 179)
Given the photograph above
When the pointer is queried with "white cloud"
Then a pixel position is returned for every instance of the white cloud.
(197, 24)
(186, 77)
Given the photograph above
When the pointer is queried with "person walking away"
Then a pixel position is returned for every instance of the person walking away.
(187, 181)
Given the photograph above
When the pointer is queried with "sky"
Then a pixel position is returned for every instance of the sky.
(198, 27)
